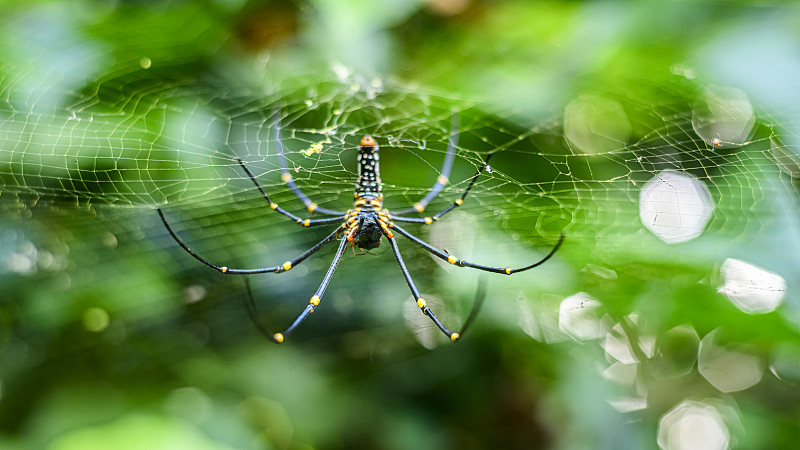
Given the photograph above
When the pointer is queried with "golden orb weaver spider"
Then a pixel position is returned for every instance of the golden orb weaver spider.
(364, 226)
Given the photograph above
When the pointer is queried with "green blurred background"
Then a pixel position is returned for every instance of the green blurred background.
(635, 335)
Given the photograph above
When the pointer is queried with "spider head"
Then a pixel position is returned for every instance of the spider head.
(369, 232)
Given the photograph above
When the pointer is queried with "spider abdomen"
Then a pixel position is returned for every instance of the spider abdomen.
(369, 178)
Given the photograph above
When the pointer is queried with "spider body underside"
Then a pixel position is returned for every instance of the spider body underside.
(364, 226)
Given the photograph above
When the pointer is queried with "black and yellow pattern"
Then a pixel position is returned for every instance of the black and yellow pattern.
(364, 226)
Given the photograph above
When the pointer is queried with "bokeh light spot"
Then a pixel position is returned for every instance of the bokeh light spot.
(95, 319)
(693, 425)
(596, 125)
(730, 368)
(726, 115)
(675, 207)
(751, 288)
(578, 317)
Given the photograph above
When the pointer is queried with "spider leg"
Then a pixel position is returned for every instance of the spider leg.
(423, 306)
(286, 176)
(458, 262)
(480, 296)
(444, 175)
(313, 303)
(300, 221)
(252, 311)
(275, 269)
(430, 220)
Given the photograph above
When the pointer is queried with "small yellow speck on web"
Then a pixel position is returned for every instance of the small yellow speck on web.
(314, 148)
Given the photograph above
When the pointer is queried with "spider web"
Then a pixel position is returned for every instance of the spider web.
(124, 145)
(668, 193)
(138, 141)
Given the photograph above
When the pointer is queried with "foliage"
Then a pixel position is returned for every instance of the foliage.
(111, 336)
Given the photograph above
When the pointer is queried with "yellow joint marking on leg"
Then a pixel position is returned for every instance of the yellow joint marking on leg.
(459, 201)
(223, 269)
(442, 179)
(452, 259)
(454, 336)
(287, 265)
(273, 205)
(508, 271)
(386, 230)
(314, 300)
(278, 337)
(428, 221)
(286, 177)
(419, 207)
(307, 222)
(421, 303)
(312, 207)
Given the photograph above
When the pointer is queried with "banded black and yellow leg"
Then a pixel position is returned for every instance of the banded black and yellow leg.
(312, 304)
(458, 202)
(459, 262)
(421, 303)
(298, 220)
(444, 174)
(287, 178)
(228, 271)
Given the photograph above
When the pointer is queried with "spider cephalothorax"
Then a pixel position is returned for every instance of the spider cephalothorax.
(364, 226)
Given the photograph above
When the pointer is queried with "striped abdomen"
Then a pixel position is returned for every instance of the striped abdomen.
(368, 185)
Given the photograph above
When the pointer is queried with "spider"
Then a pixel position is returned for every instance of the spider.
(364, 225)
